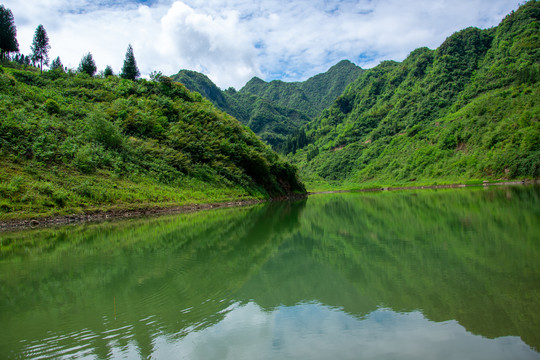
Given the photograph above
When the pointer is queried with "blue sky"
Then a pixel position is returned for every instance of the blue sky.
(233, 40)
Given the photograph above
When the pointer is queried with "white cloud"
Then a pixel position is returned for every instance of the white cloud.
(316, 331)
(209, 43)
(233, 40)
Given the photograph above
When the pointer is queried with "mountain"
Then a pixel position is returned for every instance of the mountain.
(200, 83)
(467, 110)
(311, 96)
(72, 143)
(275, 110)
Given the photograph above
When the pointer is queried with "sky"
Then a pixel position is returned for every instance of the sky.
(232, 41)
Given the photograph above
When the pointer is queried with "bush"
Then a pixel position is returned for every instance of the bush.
(104, 131)
(52, 106)
(86, 158)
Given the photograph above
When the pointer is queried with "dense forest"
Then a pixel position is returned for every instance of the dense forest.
(467, 110)
(276, 110)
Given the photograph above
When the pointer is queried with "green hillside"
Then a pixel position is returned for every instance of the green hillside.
(311, 96)
(275, 110)
(200, 83)
(72, 143)
(467, 110)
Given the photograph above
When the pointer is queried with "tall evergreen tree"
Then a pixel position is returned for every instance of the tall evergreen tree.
(88, 65)
(130, 70)
(108, 71)
(8, 33)
(57, 64)
(40, 47)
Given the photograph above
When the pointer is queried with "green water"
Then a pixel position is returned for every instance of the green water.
(447, 274)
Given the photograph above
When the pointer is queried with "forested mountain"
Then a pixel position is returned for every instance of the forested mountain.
(275, 110)
(70, 142)
(200, 83)
(469, 109)
(311, 96)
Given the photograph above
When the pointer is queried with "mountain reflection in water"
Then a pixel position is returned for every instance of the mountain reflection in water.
(427, 274)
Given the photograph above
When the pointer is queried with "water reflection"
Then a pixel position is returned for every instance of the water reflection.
(431, 274)
(315, 331)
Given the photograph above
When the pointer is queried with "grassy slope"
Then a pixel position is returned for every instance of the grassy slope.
(468, 110)
(70, 143)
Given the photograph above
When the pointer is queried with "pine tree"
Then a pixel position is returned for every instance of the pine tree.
(130, 70)
(108, 71)
(8, 33)
(40, 47)
(23, 60)
(88, 65)
(57, 64)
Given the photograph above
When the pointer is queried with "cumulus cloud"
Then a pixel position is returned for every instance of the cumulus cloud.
(234, 40)
(214, 44)
(316, 331)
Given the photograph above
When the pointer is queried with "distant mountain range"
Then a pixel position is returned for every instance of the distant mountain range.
(275, 110)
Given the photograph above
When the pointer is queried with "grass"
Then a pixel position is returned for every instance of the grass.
(37, 191)
(322, 185)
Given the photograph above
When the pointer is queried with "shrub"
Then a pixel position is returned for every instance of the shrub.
(86, 159)
(52, 106)
(104, 131)
(60, 197)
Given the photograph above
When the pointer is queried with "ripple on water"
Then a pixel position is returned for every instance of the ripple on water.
(70, 345)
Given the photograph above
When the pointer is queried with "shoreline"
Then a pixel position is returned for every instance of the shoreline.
(104, 215)
(115, 214)
(427, 187)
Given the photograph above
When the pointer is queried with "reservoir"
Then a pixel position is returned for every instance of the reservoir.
(427, 274)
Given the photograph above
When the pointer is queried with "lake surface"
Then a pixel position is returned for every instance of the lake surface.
(431, 274)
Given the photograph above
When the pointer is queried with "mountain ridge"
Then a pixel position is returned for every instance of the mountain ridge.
(275, 110)
(466, 110)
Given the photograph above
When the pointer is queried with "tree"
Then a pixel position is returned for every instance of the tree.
(57, 64)
(40, 47)
(23, 60)
(130, 70)
(8, 33)
(108, 71)
(88, 65)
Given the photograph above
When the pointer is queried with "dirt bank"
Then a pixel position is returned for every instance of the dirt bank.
(114, 214)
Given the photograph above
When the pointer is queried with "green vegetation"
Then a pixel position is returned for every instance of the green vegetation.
(108, 71)
(310, 97)
(40, 47)
(276, 110)
(464, 112)
(8, 33)
(56, 64)
(87, 65)
(468, 110)
(130, 70)
(72, 143)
